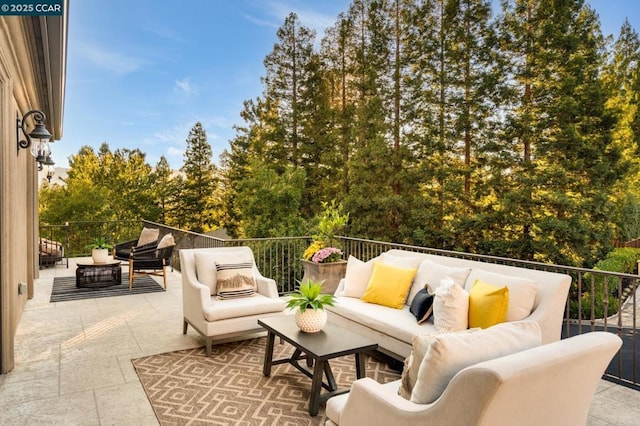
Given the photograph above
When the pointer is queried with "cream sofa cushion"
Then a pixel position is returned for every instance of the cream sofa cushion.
(406, 262)
(242, 307)
(420, 346)
(450, 353)
(384, 321)
(431, 273)
(522, 291)
(357, 276)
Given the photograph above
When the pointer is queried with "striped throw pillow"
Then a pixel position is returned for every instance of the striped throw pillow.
(235, 280)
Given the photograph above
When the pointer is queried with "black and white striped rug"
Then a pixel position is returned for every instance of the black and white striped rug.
(64, 288)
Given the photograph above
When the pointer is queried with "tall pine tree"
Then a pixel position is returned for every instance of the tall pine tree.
(200, 212)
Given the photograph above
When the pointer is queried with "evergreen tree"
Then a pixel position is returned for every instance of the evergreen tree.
(265, 188)
(287, 77)
(560, 193)
(621, 76)
(198, 194)
(161, 178)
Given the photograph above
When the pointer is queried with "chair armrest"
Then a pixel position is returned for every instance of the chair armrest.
(371, 404)
(151, 252)
(267, 287)
(125, 244)
(196, 297)
(151, 245)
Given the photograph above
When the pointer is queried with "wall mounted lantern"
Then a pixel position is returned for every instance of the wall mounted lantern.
(37, 139)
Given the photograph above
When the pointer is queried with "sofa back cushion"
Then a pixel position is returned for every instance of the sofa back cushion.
(449, 353)
(522, 291)
(419, 347)
(431, 274)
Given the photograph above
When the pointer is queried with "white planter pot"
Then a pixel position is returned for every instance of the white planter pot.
(311, 320)
(100, 255)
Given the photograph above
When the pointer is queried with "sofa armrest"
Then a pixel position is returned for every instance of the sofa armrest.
(267, 287)
(371, 403)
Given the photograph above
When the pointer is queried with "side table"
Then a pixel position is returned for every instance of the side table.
(97, 275)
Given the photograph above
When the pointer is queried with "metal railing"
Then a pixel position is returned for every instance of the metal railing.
(77, 235)
(598, 300)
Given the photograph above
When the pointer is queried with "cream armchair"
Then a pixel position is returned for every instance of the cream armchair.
(221, 319)
(552, 384)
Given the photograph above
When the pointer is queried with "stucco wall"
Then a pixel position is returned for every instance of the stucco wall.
(18, 174)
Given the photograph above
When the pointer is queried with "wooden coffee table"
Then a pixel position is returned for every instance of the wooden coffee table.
(317, 349)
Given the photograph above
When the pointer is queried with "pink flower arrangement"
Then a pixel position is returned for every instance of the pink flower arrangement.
(327, 255)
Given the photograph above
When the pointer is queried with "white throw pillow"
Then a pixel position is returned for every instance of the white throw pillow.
(522, 291)
(450, 353)
(450, 307)
(432, 273)
(357, 276)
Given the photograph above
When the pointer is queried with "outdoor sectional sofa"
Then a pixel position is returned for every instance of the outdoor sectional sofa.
(541, 297)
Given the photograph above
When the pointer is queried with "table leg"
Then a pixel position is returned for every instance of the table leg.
(268, 354)
(331, 381)
(316, 387)
(360, 365)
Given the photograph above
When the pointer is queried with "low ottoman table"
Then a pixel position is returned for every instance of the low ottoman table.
(97, 275)
(317, 349)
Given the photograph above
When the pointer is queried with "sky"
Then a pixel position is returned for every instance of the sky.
(141, 73)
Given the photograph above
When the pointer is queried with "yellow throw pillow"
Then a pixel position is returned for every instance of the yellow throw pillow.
(488, 304)
(388, 285)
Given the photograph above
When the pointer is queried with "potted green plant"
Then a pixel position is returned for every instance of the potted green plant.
(309, 303)
(99, 250)
(322, 260)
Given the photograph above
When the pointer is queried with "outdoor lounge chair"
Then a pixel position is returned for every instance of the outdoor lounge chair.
(552, 384)
(148, 240)
(229, 318)
(50, 252)
(151, 260)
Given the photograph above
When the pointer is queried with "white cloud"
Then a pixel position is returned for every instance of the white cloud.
(111, 61)
(313, 19)
(175, 152)
(261, 22)
(185, 87)
(164, 32)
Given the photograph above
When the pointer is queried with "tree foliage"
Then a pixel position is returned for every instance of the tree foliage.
(439, 123)
(433, 122)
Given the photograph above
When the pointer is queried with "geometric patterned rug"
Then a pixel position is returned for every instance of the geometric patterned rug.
(188, 388)
(64, 288)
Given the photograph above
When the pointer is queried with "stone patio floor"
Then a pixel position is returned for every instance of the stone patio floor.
(73, 360)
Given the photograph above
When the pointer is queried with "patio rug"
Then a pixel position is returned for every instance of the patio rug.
(64, 288)
(228, 388)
